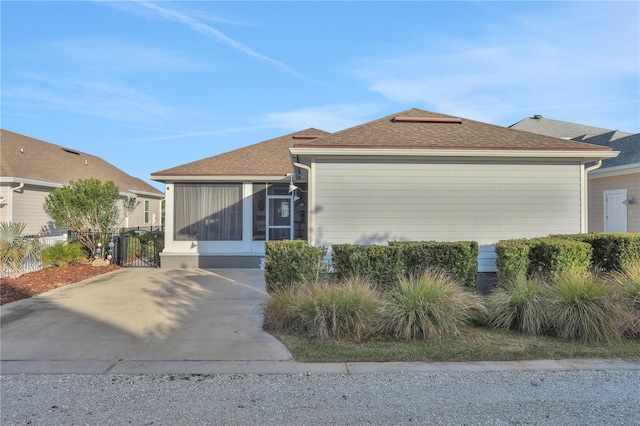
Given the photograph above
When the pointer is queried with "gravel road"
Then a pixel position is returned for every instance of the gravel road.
(610, 397)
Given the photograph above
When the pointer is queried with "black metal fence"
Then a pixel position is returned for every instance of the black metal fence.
(131, 247)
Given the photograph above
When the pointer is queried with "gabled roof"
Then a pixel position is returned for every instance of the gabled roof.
(24, 158)
(268, 158)
(416, 128)
(627, 143)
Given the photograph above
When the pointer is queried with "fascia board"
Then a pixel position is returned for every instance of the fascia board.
(256, 178)
(33, 182)
(615, 171)
(586, 156)
(146, 193)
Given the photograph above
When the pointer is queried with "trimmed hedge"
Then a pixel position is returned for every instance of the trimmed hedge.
(546, 257)
(384, 265)
(512, 260)
(459, 259)
(551, 256)
(381, 265)
(292, 262)
(611, 251)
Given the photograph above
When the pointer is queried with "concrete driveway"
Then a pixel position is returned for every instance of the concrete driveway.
(140, 315)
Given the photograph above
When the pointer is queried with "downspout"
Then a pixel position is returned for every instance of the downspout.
(585, 194)
(17, 188)
(310, 227)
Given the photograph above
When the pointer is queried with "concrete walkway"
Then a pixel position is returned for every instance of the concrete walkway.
(181, 321)
(137, 316)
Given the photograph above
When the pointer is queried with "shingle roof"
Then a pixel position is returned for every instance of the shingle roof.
(23, 157)
(627, 143)
(416, 128)
(268, 158)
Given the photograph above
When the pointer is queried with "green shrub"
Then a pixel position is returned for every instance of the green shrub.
(459, 259)
(518, 305)
(337, 312)
(611, 251)
(428, 307)
(381, 265)
(289, 263)
(551, 256)
(512, 260)
(582, 307)
(627, 282)
(62, 254)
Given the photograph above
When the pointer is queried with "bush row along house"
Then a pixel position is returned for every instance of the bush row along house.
(30, 169)
(414, 175)
(614, 188)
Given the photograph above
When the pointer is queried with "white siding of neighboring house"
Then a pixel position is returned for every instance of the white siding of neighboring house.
(374, 201)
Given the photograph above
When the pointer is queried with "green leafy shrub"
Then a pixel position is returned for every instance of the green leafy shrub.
(512, 260)
(337, 312)
(63, 254)
(459, 259)
(583, 307)
(627, 282)
(428, 307)
(551, 256)
(134, 248)
(292, 262)
(381, 265)
(611, 251)
(518, 305)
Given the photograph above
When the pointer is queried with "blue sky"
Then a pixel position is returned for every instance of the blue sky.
(152, 85)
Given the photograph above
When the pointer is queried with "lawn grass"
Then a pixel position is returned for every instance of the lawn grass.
(473, 344)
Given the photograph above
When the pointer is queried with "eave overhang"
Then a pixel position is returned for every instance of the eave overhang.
(219, 178)
(582, 155)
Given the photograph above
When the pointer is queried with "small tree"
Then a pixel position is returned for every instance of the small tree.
(87, 207)
(15, 248)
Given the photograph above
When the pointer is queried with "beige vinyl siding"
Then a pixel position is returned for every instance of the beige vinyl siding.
(136, 218)
(28, 208)
(630, 182)
(372, 202)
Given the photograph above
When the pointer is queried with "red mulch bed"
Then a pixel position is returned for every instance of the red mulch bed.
(27, 285)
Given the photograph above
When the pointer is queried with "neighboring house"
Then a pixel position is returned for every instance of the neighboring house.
(614, 187)
(415, 175)
(30, 169)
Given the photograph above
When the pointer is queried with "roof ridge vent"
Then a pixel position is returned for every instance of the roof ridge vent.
(305, 137)
(70, 151)
(405, 119)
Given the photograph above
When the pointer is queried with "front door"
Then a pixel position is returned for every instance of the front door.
(615, 211)
(280, 217)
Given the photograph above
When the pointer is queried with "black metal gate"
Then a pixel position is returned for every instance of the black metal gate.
(136, 248)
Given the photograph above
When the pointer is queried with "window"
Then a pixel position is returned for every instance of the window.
(146, 211)
(208, 212)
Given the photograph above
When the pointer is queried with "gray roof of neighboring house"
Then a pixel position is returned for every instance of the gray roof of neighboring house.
(22, 157)
(627, 143)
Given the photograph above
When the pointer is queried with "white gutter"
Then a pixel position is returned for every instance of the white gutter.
(226, 178)
(586, 156)
(584, 227)
(312, 203)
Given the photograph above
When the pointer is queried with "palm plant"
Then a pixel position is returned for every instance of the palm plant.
(16, 249)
